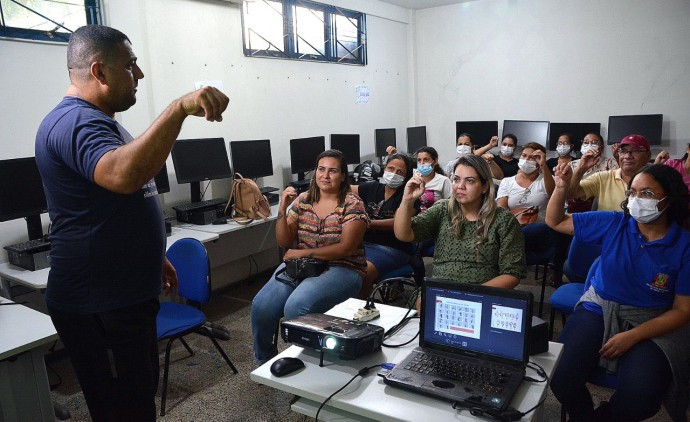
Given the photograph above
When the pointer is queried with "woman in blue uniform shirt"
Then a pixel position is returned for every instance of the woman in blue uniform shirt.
(633, 318)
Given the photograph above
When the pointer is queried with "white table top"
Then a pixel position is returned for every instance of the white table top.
(230, 226)
(23, 329)
(178, 233)
(38, 280)
(370, 397)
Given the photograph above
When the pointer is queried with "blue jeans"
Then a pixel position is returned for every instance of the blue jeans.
(313, 295)
(385, 258)
(643, 377)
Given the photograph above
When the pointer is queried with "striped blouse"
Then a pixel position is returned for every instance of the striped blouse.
(313, 232)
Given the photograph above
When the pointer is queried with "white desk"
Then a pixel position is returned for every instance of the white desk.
(369, 399)
(38, 280)
(230, 226)
(24, 388)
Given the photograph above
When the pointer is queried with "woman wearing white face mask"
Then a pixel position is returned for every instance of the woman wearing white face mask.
(564, 149)
(593, 144)
(464, 146)
(505, 160)
(531, 186)
(383, 251)
(638, 301)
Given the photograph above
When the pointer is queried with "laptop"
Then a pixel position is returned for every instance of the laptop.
(473, 345)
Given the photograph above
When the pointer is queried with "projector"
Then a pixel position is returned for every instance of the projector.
(346, 338)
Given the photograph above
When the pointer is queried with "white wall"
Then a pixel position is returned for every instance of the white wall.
(563, 61)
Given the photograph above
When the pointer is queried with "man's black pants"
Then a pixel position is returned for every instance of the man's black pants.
(115, 357)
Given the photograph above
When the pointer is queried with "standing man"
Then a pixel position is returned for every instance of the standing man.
(609, 186)
(108, 237)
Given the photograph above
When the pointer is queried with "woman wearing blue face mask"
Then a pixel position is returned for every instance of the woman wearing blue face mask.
(437, 185)
(638, 301)
(383, 251)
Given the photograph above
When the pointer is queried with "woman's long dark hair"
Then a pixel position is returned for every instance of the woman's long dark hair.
(314, 193)
(676, 191)
(434, 156)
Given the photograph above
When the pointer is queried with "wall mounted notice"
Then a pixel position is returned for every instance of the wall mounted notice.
(361, 94)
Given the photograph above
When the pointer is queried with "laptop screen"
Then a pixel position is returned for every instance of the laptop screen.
(476, 320)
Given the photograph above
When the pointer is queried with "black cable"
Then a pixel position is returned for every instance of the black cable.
(362, 372)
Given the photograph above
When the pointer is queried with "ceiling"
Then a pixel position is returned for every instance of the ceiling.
(421, 4)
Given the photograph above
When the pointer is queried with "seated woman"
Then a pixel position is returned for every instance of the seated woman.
(465, 146)
(476, 241)
(531, 187)
(633, 319)
(328, 223)
(564, 149)
(682, 165)
(506, 163)
(383, 251)
(437, 185)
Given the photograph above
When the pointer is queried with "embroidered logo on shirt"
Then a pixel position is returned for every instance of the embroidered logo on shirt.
(660, 282)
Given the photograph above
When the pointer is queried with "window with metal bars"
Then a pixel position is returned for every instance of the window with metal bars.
(46, 20)
(303, 30)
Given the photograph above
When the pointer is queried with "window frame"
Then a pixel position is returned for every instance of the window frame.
(290, 34)
(92, 9)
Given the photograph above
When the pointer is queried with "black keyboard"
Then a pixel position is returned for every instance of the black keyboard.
(479, 376)
(36, 245)
(267, 189)
(211, 203)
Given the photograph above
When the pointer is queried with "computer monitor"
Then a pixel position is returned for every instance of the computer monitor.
(481, 131)
(416, 138)
(647, 125)
(384, 138)
(197, 160)
(577, 130)
(303, 153)
(162, 180)
(528, 131)
(21, 194)
(252, 159)
(348, 145)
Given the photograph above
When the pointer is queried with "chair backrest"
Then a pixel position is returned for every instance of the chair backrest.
(190, 260)
(581, 257)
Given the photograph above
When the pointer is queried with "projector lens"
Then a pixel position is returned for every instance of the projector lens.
(330, 343)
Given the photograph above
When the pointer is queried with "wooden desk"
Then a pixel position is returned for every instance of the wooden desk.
(369, 399)
(24, 388)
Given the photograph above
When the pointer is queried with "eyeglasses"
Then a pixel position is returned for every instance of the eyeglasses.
(525, 195)
(645, 194)
(631, 151)
(590, 142)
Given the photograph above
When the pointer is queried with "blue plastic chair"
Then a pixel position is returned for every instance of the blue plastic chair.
(175, 320)
(578, 269)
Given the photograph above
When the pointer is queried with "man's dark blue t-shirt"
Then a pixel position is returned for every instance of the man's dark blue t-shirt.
(107, 249)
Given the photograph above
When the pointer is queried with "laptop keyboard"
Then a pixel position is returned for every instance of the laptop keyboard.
(478, 376)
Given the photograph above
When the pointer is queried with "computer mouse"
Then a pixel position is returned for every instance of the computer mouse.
(284, 366)
(218, 221)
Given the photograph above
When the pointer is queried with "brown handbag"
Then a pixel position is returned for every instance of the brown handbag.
(246, 202)
(527, 215)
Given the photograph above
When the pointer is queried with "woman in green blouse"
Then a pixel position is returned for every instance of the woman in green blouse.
(477, 242)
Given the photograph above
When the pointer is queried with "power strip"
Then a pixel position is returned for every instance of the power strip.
(364, 314)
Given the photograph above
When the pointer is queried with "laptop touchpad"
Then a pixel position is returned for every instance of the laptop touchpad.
(443, 384)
